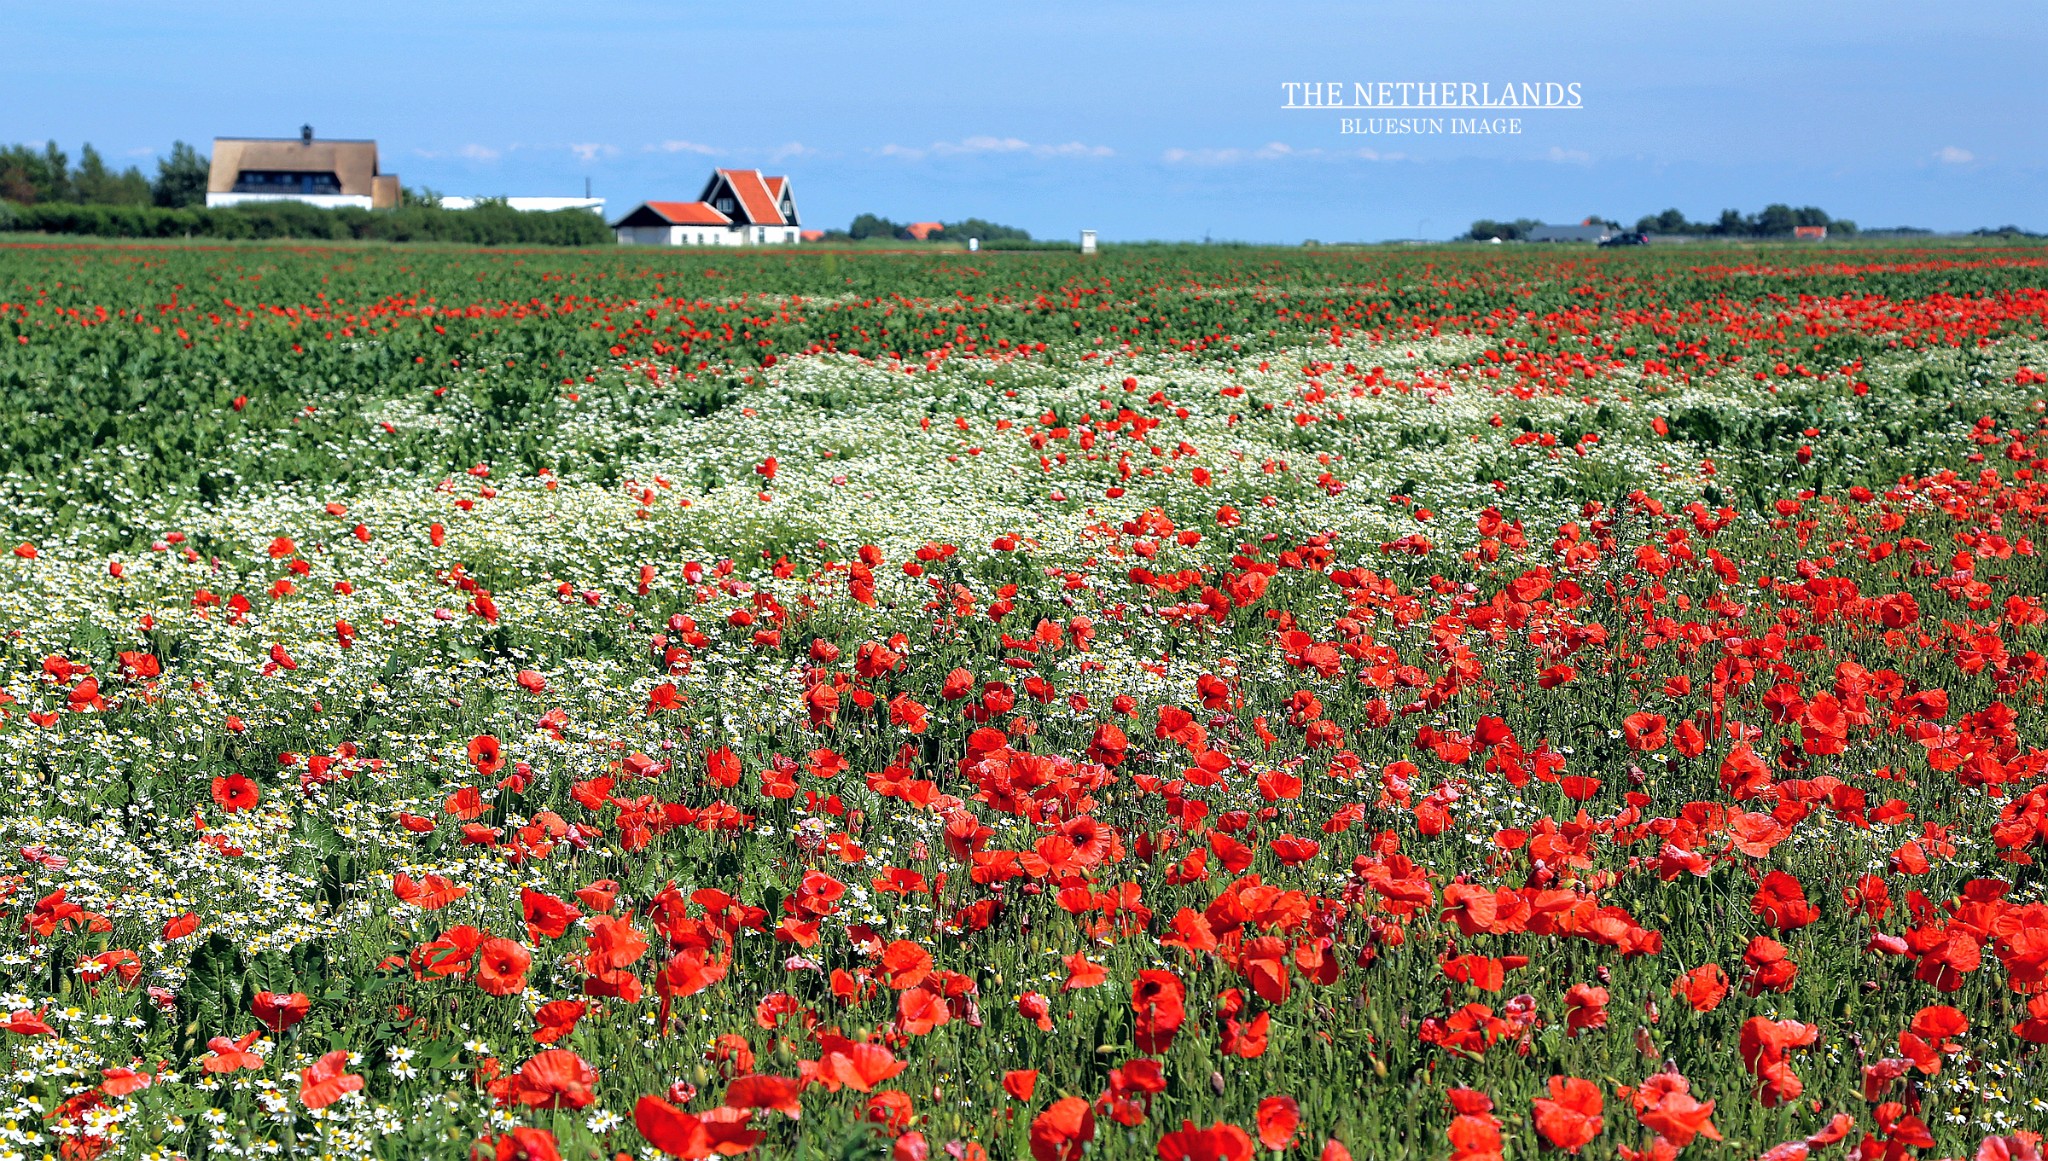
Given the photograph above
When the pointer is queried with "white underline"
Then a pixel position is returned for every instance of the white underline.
(1434, 108)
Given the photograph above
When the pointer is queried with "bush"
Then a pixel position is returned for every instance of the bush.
(1027, 244)
(484, 226)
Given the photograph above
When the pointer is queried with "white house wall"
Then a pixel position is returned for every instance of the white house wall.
(324, 201)
(708, 235)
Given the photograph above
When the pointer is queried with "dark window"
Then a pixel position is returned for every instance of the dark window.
(724, 205)
(286, 181)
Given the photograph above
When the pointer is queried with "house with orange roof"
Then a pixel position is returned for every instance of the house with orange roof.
(923, 231)
(738, 207)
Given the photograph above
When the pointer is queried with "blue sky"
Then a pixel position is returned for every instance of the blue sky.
(1137, 120)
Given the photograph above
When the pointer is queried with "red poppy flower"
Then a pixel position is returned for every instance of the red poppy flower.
(862, 1066)
(1585, 1006)
(235, 793)
(554, 1079)
(671, 1130)
(232, 1055)
(1763, 1046)
(437, 892)
(920, 1010)
(1665, 1105)
(756, 1091)
(556, 1019)
(1279, 1117)
(524, 1144)
(1063, 1130)
(1221, 1141)
(279, 1011)
(905, 965)
(1569, 1118)
(327, 1081)
(1703, 987)
(1781, 900)
(1158, 1001)
(485, 755)
(1643, 731)
(501, 967)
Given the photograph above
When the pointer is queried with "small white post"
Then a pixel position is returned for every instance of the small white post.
(973, 244)
(1087, 241)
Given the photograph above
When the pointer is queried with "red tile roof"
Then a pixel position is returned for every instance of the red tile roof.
(689, 214)
(923, 230)
(760, 204)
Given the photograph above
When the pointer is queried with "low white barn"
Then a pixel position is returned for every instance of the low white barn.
(739, 207)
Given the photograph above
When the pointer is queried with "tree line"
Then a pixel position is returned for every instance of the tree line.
(1773, 221)
(867, 226)
(42, 192)
(486, 225)
(31, 176)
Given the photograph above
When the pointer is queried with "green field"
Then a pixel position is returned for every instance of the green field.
(1449, 701)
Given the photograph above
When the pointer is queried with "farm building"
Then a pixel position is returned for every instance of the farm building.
(329, 174)
(739, 207)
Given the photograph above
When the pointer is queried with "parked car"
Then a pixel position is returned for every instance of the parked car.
(1628, 239)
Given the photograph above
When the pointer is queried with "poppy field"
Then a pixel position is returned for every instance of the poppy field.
(1185, 703)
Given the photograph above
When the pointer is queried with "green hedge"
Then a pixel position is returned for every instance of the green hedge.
(1028, 244)
(488, 225)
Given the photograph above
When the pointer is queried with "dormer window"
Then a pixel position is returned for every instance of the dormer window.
(301, 183)
(725, 205)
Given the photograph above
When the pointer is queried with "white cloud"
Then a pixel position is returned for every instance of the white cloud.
(1073, 149)
(984, 144)
(1568, 156)
(793, 149)
(678, 147)
(1273, 151)
(1952, 155)
(1202, 156)
(588, 152)
(477, 153)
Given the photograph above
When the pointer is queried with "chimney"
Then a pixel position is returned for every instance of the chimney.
(305, 135)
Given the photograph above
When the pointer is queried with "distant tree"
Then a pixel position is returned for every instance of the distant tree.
(871, 226)
(95, 184)
(1732, 223)
(1515, 231)
(19, 168)
(1776, 219)
(180, 178)
(1672, 221)
(29, 176)
(420, 196)
(983, 229)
